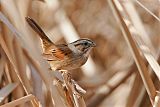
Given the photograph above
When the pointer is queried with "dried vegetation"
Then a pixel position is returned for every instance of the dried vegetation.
(123, 70)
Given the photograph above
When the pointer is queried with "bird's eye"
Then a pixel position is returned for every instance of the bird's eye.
(85, 43)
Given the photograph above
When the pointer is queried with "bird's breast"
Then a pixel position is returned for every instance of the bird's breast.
(68, 63)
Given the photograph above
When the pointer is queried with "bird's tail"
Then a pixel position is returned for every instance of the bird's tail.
(37, 28)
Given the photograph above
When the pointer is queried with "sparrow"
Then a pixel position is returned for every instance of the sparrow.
(63, 56)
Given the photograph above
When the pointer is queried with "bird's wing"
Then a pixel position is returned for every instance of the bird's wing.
(60, 52)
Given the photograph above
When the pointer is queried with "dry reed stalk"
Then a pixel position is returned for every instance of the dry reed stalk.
(38, 86)
(19, 101)
(21, 65)
(136, 54)
(19, 92)
(5, 91)
(2, 64)
(147, 10)
(8, 39)
(129, 7)
(6, 70)
(135, 91)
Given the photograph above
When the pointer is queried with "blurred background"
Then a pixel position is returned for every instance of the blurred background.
(110, 77)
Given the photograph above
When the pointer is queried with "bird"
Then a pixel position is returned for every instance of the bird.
(63, 56)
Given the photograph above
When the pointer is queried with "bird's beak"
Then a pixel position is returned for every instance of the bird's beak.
(94, 44)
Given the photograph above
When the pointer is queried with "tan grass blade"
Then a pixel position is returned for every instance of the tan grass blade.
(5, 91)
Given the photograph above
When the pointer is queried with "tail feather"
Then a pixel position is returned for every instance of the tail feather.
(37, 28)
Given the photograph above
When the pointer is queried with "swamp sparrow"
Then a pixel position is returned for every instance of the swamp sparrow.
(63, 56)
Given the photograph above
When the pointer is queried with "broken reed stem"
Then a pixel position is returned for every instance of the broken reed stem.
(69, 99)
(135, 52)
(69, 93)
(73, 95)
(78, 93)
